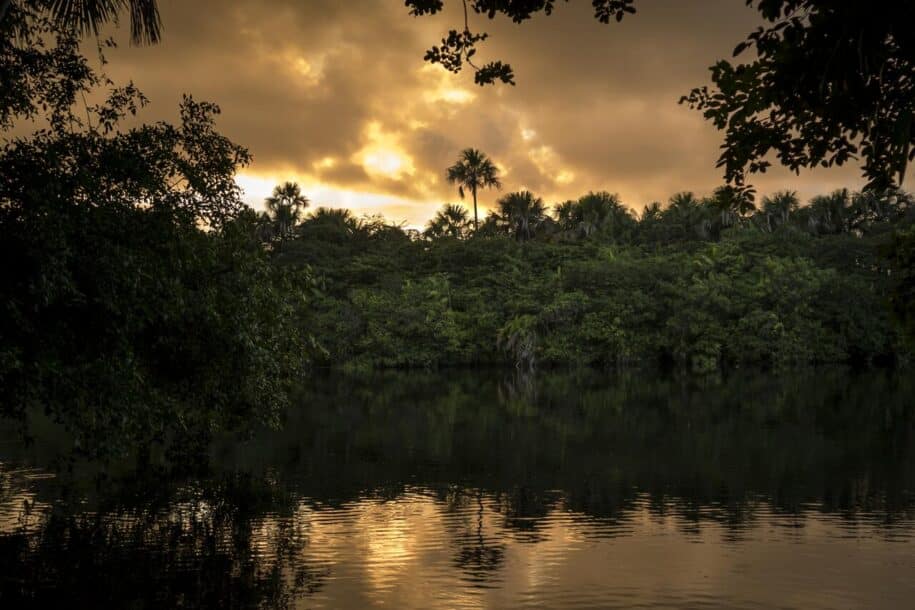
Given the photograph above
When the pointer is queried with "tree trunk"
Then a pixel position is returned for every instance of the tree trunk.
(476, 220)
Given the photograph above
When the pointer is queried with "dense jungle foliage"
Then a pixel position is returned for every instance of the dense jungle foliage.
(697, 283)
(138, 303)
(142, 299)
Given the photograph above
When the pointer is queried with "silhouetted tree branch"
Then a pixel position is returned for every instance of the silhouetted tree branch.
(830, 82)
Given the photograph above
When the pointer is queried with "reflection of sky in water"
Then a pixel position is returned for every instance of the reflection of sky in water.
(20, 509)
(457, 548)
(403, 553)
(471, 490)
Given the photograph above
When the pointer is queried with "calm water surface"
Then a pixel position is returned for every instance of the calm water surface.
(490, 490)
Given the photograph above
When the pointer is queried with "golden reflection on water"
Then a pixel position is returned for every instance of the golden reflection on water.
(462, 549)
(406, 553)
(20, 509)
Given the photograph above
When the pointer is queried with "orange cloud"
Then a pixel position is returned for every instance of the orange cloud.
(336, 95)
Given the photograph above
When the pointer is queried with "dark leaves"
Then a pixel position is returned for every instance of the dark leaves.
(831, 82)
(604, 10)
(455, 49)
(459, 47)
(494, 71)
(419, 8)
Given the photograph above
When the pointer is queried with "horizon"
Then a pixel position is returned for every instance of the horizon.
(350, 201)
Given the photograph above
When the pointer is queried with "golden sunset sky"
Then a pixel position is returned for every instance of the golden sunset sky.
(335, 95)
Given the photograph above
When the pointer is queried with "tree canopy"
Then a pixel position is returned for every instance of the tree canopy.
(139, 304)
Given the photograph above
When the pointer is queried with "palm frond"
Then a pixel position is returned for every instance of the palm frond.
(88, 16)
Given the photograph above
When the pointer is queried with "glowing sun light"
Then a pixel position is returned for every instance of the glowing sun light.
(384, 162)
(383, 155)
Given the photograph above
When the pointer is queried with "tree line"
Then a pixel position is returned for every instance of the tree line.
(144, 301)
(702, 282)
(524, 216)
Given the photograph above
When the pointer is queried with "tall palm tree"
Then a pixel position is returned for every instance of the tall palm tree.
(450, 221)
(286, 205)
(522, 213)
(474, 171)
(88, 16)
(778, 208)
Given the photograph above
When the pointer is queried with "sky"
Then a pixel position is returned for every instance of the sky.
(334, 94)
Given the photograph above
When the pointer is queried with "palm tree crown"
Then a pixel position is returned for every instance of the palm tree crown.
(777, 209)
(602, 213)
(731, 204)
(685, 214)
(522, 213)
(286, 206)
(450, 221)
(474, 171)
(831, 214)
(651, 212)
(88, 16)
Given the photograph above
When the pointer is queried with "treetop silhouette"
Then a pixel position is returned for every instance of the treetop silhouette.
(474, 171)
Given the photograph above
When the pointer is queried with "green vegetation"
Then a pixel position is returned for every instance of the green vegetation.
(700, 283)
(148, 311)
(138, 299)
(144, 301)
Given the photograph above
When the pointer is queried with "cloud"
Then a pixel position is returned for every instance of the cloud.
(336, 95)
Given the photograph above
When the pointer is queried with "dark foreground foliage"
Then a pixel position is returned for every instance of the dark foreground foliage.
(138, 301)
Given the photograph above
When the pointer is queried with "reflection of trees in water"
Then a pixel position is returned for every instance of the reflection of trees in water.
(223, 545)
(518, 392)
(478, 552)
(506, 456)
(524, 511)
(713, 447)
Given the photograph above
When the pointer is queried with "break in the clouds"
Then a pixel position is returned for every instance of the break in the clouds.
(335, 94)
